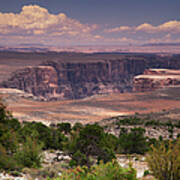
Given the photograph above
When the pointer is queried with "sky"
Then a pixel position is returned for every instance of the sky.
(89, 22)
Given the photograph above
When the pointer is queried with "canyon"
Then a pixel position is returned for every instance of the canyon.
(77, 87)
(91, 74)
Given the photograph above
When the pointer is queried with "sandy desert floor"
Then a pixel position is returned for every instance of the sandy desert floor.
(94, 108)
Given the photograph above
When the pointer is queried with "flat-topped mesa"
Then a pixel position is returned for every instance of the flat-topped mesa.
(161, 72)
(153, 79)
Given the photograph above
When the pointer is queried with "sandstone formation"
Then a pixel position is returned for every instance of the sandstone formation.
(60, 79)
(75, 80)
(40, 81)
(153, 79)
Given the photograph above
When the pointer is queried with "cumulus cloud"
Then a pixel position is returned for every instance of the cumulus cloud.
(36, 20)
(168, 27)
(121, 28)
(35, 24)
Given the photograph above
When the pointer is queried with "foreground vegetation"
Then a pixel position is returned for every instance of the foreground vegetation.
(92, 150)
(108, 171)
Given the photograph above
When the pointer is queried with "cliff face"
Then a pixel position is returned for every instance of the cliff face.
(65, 80)
(153, 79)
(40, 81)
(54, 80)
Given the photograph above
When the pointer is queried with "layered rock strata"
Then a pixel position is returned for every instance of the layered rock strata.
(54, 80)
(153, 79)
(40, 81)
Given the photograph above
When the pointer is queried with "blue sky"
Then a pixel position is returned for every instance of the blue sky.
(74, 22)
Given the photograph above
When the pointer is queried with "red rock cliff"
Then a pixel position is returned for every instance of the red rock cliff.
(153, 79)
(72, 80)
(40, 81)
(55, 80)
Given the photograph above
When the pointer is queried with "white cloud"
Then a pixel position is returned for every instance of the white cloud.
(145, 27)
(168, 27)
(121, 28)
(35, 24)
(36, 20)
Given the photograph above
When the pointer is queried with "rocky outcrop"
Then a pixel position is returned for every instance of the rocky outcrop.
(40, 81)
(57, 79)
(54, 80)
(153, 79)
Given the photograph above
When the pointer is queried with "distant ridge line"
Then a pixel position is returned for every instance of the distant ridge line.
(162, 44)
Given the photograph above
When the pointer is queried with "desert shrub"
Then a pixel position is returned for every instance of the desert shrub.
(51, 137)
(178, 135)
(9, 141)
(7, 162)
(7, 120)
(29, 153)
(106, 154)
(64, 127)
(70, 146)
(164, 160)
(177, 124)
(102, 171)
(91, 140)
(36, 130)
(56, 140)
(153, 123)
(18, 145)
(79, 158)
(44, 133)
(77, 126)
(13, 124)
(4, 114)
(8, 128)
(169, 123)
(27, 130)
(146, 173)
(130, 121)
(133, 141)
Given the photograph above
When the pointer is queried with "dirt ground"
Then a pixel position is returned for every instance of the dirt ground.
(92, 109)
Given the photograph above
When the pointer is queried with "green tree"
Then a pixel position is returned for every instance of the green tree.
(7, 161)
(8, 130)
(133, 141)
(50, 137)
(91, 140)
(64, 127)
(56, 140)
(29, 153)
(77, 126)
(9, 141)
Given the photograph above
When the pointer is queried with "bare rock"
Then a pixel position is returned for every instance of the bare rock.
(57, 80)
(55, 156)
(153, 79)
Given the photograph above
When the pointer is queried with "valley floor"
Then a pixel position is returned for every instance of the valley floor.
(95, 108)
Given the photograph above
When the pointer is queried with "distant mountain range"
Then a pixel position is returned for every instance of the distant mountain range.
(162, 44)
(24, 49)
(170, 48)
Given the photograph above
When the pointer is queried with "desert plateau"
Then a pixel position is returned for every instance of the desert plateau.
(89, 90)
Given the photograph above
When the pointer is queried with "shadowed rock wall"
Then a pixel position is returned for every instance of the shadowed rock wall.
(65, 80)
